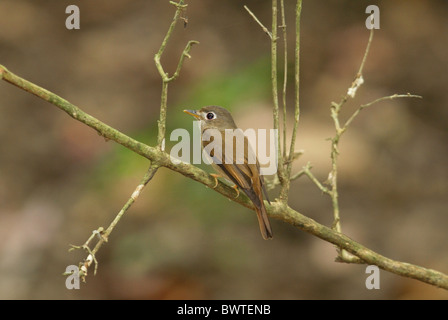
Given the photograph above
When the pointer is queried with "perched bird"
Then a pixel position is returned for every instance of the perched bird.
(241, 167)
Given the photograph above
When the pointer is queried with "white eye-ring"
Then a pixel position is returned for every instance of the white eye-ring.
(210, 115)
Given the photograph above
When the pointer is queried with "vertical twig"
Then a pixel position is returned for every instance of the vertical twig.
(335, 110)
(285, 74)
(166, 79)
(274, 82)
(285, 187)
(284, 160)
(297, 85)
(343, 255)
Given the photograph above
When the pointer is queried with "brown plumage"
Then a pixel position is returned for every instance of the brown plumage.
(241, 169)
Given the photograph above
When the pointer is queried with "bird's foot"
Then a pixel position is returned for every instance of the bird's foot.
(237, 190)
(216, 176)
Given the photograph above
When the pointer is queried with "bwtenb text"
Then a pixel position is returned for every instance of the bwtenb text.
(225, 309)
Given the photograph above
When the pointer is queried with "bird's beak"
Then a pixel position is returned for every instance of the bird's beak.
(193, 113)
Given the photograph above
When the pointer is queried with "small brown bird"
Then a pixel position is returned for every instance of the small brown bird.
(242, 170)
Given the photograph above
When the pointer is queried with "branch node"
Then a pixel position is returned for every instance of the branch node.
(307, 171)
(178, 5)
(346, 257)
(351, 92)
(259, 23)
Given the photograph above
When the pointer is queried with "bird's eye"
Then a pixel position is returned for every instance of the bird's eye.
(210, 116)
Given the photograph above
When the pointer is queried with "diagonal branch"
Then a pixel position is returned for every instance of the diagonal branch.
(355, 114)
(103, 235)
(258, 21)
(278, 210)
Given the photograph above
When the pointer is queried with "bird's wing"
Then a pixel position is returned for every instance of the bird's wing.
(239, 163)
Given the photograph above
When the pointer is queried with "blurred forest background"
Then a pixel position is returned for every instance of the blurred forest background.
(59, 180)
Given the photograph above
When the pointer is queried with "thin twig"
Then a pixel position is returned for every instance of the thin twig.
(335, 110)
(366, 53)
(307, 171)
(285, 187)
(103, 235)
(271, 184)
(343, 255)
(285, 75)
(359, 79)
(274, 85)
(258, 21)
(180, 7)
(146, 178)
(297, 175)
(394, 96)
(185, 54)
(297, 85)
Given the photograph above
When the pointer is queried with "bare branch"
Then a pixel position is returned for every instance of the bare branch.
(394, 96)
(366, 53)
(285, 75)
(335, 111)
(307, 171)
(286, 185)
(259, 23)
(102, 234)
(274, 85)
(185, 54)
(180, 7)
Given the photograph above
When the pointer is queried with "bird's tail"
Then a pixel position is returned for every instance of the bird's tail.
(263, 221)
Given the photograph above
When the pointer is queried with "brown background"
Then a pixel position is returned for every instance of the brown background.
(59, 180)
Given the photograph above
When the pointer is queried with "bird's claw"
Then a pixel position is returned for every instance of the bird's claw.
(216, 176)
(237, 190)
